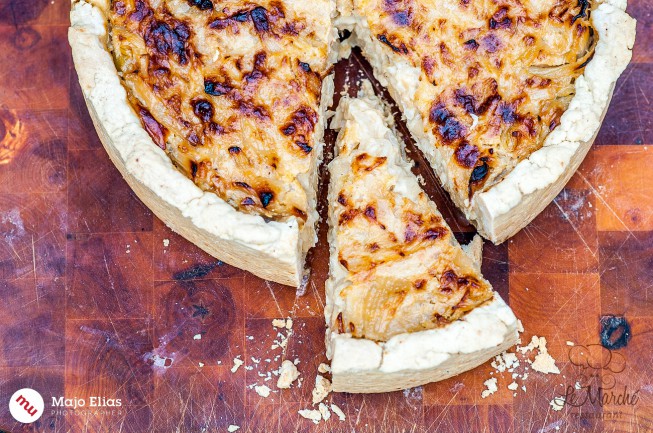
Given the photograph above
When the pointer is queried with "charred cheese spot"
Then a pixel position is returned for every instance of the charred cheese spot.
(500, 19)
(202, 5)
(401, 48)
(365, 162)
(154, 128)
(215, 88)
(467, 155)
(203, 110)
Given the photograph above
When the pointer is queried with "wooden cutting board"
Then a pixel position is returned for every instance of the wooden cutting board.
(100, 299)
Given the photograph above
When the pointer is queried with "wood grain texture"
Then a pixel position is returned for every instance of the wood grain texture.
(99, 297)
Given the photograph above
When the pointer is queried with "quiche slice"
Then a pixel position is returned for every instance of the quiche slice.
(406, 305)
(504, 98)
(213, 112)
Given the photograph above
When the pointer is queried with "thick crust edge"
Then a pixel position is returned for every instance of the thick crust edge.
(408, 360)
(271, 250)
(510, 205)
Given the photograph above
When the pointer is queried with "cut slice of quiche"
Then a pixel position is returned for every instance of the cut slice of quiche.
(212, 110)
(406, 305)
(503, 98)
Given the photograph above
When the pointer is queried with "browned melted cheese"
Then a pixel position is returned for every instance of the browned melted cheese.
(405, 271)
(230, 90)
(496, 74)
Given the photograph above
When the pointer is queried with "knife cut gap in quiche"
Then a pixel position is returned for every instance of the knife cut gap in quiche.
(406, 305)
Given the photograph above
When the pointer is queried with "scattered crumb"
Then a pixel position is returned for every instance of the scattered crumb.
(289, 323)
(197, 337)
(262, 390)
(505, 361)
(324, 368)
(279, 323)
(232, 428)
(557, 403)
(166, 243)
(338, 411)
(322, 389)
(491, 387)
(543, 362)
(287, 374)
(324, 411)
(513, 386)
(237, 363)
(201, 364)
(570, 343)
(313, 415)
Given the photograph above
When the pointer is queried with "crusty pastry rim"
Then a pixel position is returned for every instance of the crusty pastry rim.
(514, 202)
(272, 250)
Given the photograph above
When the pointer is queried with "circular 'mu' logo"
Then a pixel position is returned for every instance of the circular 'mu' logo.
(26, 405)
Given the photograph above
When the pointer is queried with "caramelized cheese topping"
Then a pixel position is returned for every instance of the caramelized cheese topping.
(496, 75)
(405, 272)
(230, 90)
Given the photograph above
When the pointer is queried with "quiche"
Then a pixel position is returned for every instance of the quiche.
(406, 305)
(504, 98)
(213, 112)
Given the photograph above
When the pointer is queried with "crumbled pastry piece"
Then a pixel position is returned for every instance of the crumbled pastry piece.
(513, 386)
(557, 403)
(232, 428)
(543, 362)
(324, 368)
(237, 363)
(279, 323)
(324, 411)
(491, 387)
(287, 374)
(312, 414)
(262, 390)
(505, 361)
(322, 389)
(338, 411)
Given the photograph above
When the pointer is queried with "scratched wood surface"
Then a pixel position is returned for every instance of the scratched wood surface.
(99, 298)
